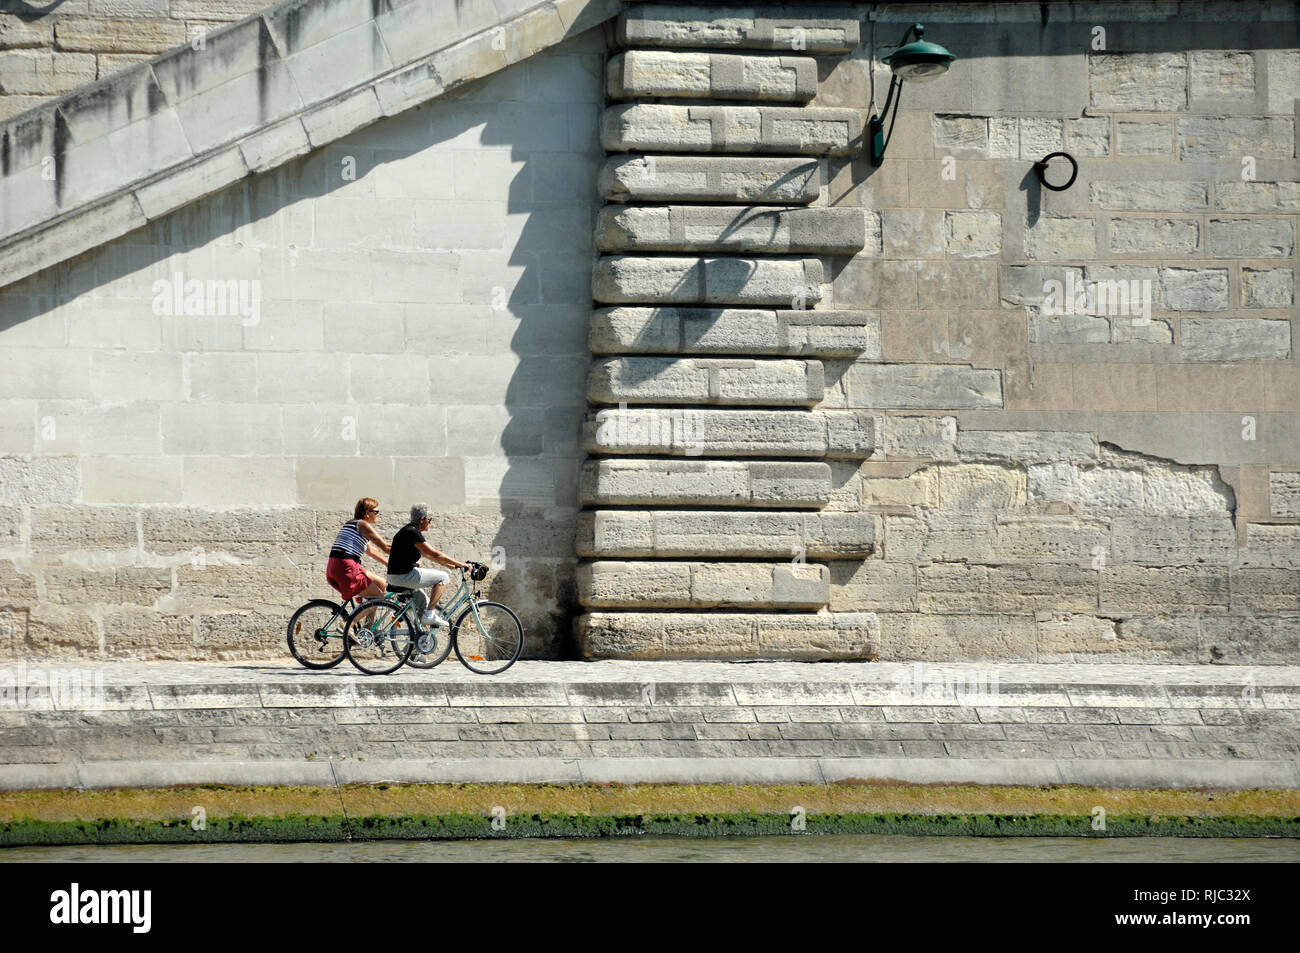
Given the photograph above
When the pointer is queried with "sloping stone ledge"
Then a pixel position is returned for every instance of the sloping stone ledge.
(260, 92)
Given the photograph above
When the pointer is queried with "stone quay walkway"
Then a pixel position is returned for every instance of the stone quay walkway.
(151, 724)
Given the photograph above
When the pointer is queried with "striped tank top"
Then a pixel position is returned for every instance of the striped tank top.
(348, 544)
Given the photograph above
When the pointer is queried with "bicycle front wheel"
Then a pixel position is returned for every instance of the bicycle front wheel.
(316, 634)
(379, 637)
(490, 645)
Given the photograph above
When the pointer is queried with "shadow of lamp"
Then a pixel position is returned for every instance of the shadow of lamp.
(919, 61)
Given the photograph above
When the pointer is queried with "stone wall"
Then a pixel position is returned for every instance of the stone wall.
(1097, 468)
(47, 54)
(176, 465)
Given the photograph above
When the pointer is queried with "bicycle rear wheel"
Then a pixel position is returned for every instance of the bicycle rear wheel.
(379, 637)
(491, 645)
(431, 647)
(315, 634)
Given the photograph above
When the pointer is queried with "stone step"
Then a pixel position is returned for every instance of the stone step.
(727, 635)
(785, 484)
(763, 230)
(735, 331)
(922, 386)
(816, 29)
(653, 127)
(732, 533)
(702, 585)
(711, 76)
(678, 432)
(693, 380)
(627, 279)
(657, 178)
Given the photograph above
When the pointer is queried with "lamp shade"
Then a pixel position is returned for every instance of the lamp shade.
(919, 61)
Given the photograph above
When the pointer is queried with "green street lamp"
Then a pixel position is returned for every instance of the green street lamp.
(920, 61)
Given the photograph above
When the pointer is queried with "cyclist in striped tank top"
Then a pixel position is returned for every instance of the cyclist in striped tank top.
(355, 539)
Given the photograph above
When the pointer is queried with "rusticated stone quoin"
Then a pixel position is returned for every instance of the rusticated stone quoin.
(759, 179)
(689, 380)
(625, 279)
(702, 585)
(693, 228)
(735, 331)
(739, 433)
(659, 482)
(817, 29)
(723, 533)
(653, 127)
(711, 76)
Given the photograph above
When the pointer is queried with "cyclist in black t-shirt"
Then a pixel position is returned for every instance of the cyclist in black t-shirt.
(404, 570)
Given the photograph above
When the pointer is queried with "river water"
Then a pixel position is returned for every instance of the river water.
(823, 848)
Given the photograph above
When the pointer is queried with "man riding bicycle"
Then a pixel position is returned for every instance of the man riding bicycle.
(404, 570)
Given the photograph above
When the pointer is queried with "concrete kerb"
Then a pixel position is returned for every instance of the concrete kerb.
(1103, 773)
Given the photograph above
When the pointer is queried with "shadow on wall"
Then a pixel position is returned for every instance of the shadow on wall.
(527, 357)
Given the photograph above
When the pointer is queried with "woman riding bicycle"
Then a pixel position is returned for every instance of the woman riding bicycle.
(356, 538)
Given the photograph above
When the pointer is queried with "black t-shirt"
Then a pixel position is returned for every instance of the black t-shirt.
(404, 556)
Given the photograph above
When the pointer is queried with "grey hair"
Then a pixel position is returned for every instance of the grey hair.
(419, 511)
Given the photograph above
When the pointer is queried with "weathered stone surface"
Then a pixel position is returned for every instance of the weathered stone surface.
(1171, 541)
(1088, 137)
(1221, 76)
(925, 438)
(1251, 238)
(742, 433)
(1276, 545)
(872, 585)
(928, 638)
(1250, 639)
(705, 483)
(648, 73)
(733, 331)
(1027, 446)
(39, 479)
(744, 129)
(136, 35)
(726, 635)
(1138, 81)
(766, 230)
(270, 530)
(1266, 590)
(686, 585)
(624, 279)
(1132, 589)
(828, 29)
(1151, 196)
(67, 529)
(922, 386)
(658, 178)
(1284, 493)
(689, 380)
(1154, 236)
(1267, 287)
(1217, 138)
(1195, 289)
(979, 486)
(1055, 237)
(669, 533)
(1145, 138)
(1235, 339)
(958, 587)
(973, 234)
(39, 72)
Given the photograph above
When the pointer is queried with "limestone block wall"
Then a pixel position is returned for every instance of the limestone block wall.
(1071, 417)
(189, 412)
(48, 51)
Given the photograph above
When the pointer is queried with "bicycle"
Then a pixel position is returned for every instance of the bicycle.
(312, 629)
(487, 636)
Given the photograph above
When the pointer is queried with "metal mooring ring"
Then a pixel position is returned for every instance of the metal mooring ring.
(1041, 168)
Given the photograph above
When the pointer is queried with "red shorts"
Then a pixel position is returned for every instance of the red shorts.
(347, 576)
